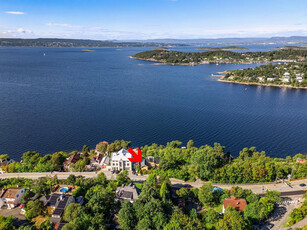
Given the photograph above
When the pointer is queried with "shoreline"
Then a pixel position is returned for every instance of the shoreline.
(260, 84)
(221, 77)
(202, 63)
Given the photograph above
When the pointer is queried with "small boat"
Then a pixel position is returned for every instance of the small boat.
(44, 54)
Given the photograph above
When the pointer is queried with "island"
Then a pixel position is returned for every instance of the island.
(222, 48)
(195, 58)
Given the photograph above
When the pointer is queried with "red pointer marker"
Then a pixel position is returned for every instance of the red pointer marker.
(137, 157)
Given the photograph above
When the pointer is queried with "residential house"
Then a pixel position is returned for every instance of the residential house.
(120, 160)
(56, 204)
(286, 77)
(299, 77)
(236, 203)
(152, 162)
(11, 197)
(301, 161)
(260, 79)
(129, 192)
(100, 161)
(270, 79)
(71, 160)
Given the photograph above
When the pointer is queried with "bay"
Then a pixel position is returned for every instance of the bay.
(54, 99)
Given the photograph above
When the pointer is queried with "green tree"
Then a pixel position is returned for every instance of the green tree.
(85, 150)
(78, 166)
(6, 223)
(183, 193)
(102, 147)
(27, 195)
(46, 225)
(34, 209)
(71, 179)
(102, 179)
(72, 212)
(190, 144)
(127, 217)
(164, 191)
(205, 195)
(123, 178)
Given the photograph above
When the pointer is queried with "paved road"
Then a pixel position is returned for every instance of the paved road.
(285, 190)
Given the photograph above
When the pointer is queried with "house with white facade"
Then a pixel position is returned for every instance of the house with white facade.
(299, 77)
(11, 197)
(119, 160)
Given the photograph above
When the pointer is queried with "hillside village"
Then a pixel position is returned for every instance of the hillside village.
(293, 74)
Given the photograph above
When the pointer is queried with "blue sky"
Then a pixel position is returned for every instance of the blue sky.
(148, 19)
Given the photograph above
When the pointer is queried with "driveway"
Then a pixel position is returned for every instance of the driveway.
(20, 220)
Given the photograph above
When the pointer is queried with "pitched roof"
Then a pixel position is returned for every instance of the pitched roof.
(122, 154)
(10, 193)
(72, 159)
(238, 204)
(127, 192)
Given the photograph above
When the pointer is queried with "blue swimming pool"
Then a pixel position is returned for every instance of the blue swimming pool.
(64, 189)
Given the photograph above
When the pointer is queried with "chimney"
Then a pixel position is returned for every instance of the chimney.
(133, 186)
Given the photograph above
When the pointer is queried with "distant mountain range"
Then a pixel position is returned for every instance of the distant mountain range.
(58, 42)
(232, 41)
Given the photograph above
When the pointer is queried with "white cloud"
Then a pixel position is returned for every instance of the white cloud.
(15, 12)
(64, 25)
(24, 31)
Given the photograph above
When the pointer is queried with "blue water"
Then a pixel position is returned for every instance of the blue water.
(69, 98)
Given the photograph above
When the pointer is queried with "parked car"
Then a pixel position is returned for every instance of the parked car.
(22, 205)
(302, 185)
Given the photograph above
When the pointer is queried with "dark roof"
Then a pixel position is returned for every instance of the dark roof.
(55, 220)
(126, 194)
(58, 211)
(157, 160)
(72, 159)
(53, 199)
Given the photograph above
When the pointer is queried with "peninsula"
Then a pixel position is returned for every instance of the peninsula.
(291, 75)
(221, 56)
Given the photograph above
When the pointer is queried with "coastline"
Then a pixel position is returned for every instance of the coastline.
(261, 84)
(185, 64)
(221, 77)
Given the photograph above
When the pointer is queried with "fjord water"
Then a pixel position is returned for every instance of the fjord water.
(67, 98)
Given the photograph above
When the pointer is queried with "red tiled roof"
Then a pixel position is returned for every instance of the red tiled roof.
(238, 204)
(72, 159)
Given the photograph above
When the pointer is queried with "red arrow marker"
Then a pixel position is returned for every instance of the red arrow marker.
(136, 157)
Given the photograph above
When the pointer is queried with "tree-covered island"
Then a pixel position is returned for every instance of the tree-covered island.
(221, 56)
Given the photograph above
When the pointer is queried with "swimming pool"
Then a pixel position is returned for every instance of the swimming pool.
(64, 189)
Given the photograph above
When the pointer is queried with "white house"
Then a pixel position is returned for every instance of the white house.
(299, 77)
(119, 160)
(11, 197)
(270, 79)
